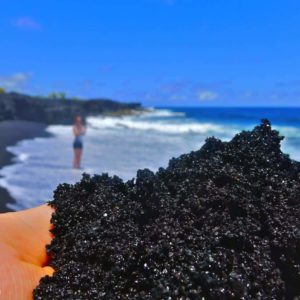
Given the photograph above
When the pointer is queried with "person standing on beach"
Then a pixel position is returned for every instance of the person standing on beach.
(78, 131)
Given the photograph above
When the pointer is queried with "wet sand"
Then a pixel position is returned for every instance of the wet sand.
(11, 132)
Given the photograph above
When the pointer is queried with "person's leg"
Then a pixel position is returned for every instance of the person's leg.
(79, 157)
(75, 159)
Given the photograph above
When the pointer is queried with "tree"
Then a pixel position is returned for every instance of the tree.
(2, 90)
(53, 96)
(60, 95)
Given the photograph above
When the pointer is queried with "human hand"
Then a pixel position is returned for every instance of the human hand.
(23, 258)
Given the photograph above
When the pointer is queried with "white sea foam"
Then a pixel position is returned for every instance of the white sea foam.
(59, 130)
(23, 157)
(288, 131)
(158, 113)
(160, 126)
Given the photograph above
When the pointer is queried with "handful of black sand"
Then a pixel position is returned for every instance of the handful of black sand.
(219, 223)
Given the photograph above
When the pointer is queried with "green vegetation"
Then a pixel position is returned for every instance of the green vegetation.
(2, 90)
(61, 96)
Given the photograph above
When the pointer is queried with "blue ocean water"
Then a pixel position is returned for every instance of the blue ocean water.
(286, 116)
(122, 145)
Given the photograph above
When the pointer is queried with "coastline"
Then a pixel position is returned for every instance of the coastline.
(12, 132)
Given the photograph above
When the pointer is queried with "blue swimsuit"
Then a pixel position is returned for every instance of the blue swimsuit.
(78, 142)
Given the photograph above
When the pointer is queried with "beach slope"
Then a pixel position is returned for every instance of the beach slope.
(11, 132)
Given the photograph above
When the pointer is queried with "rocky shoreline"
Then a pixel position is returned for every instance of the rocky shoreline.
(14, 106)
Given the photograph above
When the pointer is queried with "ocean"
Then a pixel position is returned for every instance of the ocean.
(122, 145)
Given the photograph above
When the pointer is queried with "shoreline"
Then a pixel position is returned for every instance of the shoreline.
(12, 132)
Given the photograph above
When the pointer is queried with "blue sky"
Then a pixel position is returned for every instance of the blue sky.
(158, 52)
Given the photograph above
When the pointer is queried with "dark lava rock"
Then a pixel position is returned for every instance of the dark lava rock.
(219, 223)
(14, 106)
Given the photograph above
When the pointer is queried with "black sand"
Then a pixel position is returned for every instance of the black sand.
(12, 132)
(219, 223)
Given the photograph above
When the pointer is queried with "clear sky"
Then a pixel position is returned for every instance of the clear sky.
(158, 52)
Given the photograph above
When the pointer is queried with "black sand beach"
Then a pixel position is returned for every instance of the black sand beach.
(11, 132)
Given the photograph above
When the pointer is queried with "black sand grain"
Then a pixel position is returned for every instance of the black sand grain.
(219, 223)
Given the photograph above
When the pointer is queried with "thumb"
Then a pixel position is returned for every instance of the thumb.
(18, 278)
(23, 237)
